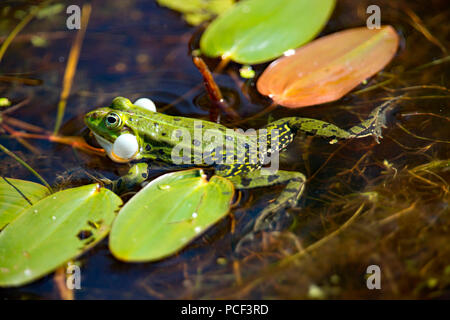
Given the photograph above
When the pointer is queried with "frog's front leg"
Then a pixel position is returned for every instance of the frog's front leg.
(137, 174)
(295, 183)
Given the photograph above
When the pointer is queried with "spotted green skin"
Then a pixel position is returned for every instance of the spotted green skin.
(154, 131)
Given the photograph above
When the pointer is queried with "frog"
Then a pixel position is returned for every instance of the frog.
(155, 137)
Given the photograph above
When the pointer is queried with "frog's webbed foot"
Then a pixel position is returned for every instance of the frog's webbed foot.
(288, 198)
(295, 182)
(374, 124)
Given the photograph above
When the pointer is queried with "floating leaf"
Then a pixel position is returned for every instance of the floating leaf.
(247, 72)
(50, 11)
(167, 214)
(4, 102)
(54, 230)
(256, 31)
(328, 68)
(197, 11)
(16, 195)
(39, 42)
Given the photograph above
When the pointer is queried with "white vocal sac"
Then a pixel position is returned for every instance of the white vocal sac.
(125, 146)
(145, 103)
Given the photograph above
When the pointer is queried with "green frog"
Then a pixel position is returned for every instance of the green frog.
(152, 136)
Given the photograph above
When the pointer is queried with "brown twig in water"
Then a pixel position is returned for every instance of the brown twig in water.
(60, 281)
(419, 26)
(237, 272)
(424, 114)
(72, 66)
(74, 141)
(16, 106)
(430, 64)
(27, 81)
(433, 87)
(213, 90)
(21, 124)
(419, 137)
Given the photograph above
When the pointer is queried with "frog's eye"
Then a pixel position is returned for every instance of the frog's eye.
(113, 121)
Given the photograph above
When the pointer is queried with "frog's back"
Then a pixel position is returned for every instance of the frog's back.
(209, 143)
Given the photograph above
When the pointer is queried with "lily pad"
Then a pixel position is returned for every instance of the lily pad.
(169, 213)
(54, 230)
(328, 68)
(17, 195)
(197, 11)
(257, 31)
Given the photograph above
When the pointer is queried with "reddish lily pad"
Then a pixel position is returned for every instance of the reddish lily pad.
(329, 67)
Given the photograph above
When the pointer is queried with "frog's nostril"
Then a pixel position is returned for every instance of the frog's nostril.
(88, 115)
(92, 115)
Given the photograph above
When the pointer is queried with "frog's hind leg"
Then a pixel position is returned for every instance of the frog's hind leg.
(295, 182)
(372, 126)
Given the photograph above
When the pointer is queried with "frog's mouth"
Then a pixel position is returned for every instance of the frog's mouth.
(108, 146)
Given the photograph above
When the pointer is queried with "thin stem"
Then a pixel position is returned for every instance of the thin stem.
(324, 240)
(71, 66)
(419, 137)
(429, 64)
(214, 93)
(74, 141)
(18, 28)
(23, 163)
(18, 191)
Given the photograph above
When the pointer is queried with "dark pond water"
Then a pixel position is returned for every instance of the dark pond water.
(139, 49)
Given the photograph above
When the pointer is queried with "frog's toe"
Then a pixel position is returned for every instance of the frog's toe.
(244, 242)
(273, 219)
(272, 224)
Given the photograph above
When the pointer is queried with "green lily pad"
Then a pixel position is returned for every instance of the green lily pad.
(257, 31)
(197, 11)
(54, 230)
(169, 213)
(17, 195)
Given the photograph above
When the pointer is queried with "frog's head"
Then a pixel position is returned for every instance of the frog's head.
(110, 130)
